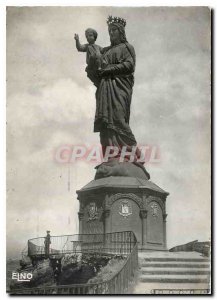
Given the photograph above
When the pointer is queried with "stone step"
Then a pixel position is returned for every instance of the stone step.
(167, 254)
(180, 271)
(178, 259)
(171, 288)
(177, 270)
(175, 278)
(174, 265)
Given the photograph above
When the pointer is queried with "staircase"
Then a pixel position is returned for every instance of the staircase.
(172, 270)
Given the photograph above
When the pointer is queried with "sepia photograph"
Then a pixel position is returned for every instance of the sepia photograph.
(108, 149)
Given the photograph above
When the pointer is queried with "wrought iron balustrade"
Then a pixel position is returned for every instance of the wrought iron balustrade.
(123, 243)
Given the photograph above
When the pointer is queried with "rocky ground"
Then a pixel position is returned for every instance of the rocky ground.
(75, 269)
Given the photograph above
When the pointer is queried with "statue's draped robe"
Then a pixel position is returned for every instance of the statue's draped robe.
(113, 97)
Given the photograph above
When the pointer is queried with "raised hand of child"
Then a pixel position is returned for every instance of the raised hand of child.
(76, 37)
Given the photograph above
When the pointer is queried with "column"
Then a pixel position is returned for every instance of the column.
(106, 241)
(106, 220)
(143, 216)
(80, 217)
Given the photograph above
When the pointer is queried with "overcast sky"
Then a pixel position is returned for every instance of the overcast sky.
(51, 102)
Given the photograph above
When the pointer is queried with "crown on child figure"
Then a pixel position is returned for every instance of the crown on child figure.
(111, 20)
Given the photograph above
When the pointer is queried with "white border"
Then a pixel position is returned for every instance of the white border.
(110, 3)
(210, 3)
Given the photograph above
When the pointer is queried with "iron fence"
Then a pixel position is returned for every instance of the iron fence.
(112, 243)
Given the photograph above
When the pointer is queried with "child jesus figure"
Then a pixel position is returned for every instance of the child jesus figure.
(93, 56)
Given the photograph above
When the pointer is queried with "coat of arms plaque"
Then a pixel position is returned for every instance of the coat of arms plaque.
(125, 209)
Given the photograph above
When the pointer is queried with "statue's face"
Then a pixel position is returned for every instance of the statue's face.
(90, 37)
(114, 33)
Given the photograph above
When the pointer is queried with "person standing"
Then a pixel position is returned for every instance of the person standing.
(47, 242)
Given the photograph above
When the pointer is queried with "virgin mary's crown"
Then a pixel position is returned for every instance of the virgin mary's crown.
(112, 20)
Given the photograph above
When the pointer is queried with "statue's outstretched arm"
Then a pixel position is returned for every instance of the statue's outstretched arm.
(79, 46)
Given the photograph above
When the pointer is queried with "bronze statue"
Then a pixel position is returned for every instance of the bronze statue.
(114, 80)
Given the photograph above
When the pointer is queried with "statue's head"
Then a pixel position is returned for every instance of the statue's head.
(116, 27)
(91, 35)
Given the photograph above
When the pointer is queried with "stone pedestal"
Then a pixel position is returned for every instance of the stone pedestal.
(117, 203)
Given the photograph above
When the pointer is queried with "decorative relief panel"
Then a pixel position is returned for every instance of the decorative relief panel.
(94, 212)
(131, 196)
(92, 218)
(158, 201)
(155, 209)
(155, 228)
(125, 209)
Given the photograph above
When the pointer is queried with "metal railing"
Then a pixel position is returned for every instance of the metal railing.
(115, 243)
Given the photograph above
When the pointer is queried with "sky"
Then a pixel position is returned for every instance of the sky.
(51, 102)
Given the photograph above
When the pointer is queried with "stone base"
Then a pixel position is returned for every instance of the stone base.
(117, 203)
(125, 169)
